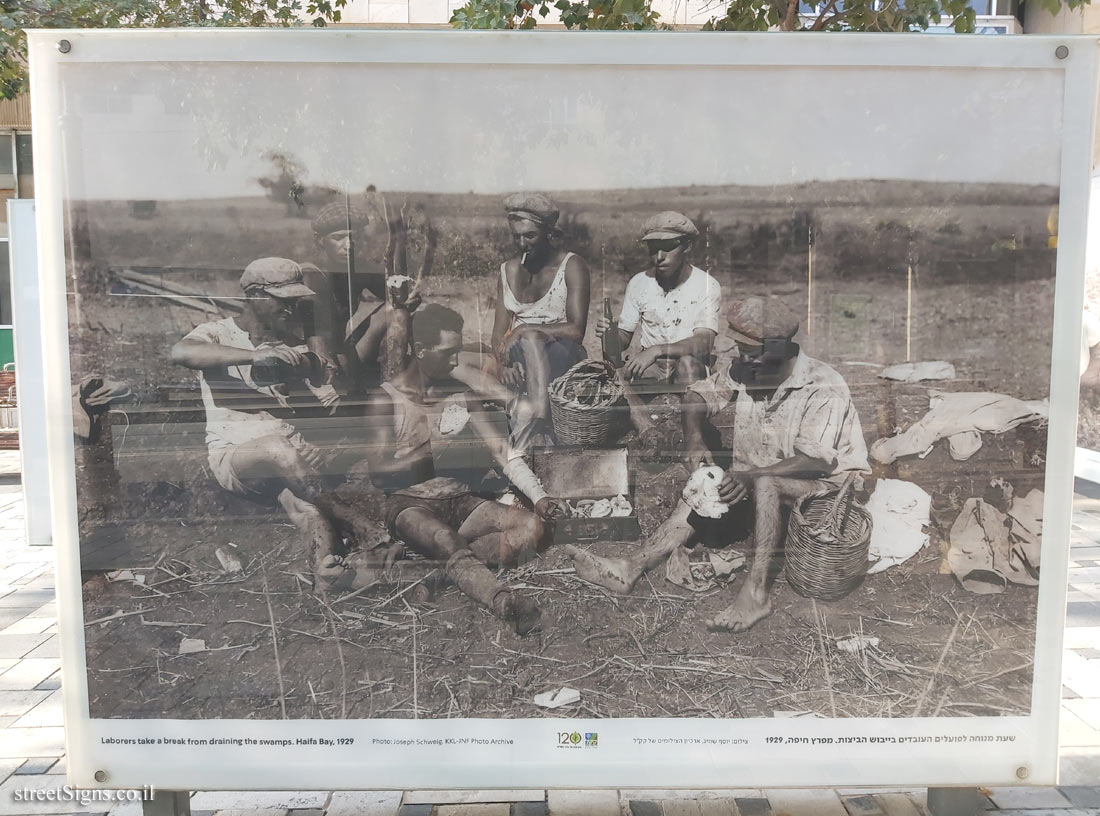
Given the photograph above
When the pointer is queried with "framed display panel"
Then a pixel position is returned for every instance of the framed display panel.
(199, 509)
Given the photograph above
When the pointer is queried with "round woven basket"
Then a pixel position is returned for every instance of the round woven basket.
(576, 424)
(828, 539)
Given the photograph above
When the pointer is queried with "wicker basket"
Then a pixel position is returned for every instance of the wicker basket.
(585, 424)
(828, 539)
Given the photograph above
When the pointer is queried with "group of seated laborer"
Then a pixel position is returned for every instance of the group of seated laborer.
(361, 352)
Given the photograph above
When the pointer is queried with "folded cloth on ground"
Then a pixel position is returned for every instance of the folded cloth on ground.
(915, 372)
(899, 512)
(990, 548)
(960, 418)
(699, 576)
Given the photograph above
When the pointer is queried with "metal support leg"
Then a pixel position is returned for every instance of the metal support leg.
(954, 801)
(167, 803)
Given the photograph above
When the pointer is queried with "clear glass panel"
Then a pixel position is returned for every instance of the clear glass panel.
(242, 444)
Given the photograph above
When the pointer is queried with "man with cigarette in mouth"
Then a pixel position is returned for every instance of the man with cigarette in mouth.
(795, 431)
(541, 307)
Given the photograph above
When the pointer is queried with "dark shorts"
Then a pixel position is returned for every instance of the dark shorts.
(562, 355)
(452, 511)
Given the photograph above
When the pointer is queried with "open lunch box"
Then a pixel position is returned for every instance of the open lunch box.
(590, 480)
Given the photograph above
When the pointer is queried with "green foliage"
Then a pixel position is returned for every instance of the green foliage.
(602, 15)
(739, 15)
(17, 15)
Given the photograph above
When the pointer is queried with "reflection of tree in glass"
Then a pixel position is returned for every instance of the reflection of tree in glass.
(286, 184)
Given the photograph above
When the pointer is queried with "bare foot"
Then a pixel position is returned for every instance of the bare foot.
(519, 611)
(617, 574)
(741, 614)
(329, 572)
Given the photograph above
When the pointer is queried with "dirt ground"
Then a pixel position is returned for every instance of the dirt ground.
(940, 272)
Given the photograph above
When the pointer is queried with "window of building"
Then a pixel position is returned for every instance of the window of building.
(16, 181)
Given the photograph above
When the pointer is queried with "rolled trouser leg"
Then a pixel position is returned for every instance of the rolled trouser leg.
(479, 583)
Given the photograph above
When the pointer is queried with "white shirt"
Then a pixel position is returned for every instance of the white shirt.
(233, 386)
(668, 317)
(811, 413)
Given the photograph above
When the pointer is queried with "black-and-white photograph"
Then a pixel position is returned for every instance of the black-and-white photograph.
(527, 391)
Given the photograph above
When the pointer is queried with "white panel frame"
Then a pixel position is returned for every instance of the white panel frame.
(1018, 750)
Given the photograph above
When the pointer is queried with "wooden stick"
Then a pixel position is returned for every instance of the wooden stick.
(824, 659)
(275, 644)
(939, 665)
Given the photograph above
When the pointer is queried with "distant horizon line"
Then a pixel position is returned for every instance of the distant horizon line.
(565, 193)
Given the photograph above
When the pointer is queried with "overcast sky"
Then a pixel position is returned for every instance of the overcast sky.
(157, 131)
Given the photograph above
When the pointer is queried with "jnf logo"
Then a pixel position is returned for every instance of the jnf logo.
(569, 739)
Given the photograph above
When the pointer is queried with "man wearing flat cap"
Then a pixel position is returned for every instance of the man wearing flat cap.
(351, 324)
(673, 308)
(795, 430)
(256, 377)
(542, 305)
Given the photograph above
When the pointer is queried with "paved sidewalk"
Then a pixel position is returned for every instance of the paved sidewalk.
(32, 734)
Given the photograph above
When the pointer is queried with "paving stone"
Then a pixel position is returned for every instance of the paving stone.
(805, 802)
(1082, 637)
(1087, 710)
(21, 645)
(897, 804)
(1049, 812)
(530, 809)
(47, 713)
(753, 806)
(36, 766)
(308, 812)
(583, 803)
(18, 703)
(1083, 614)
(1081, 796)
(1067, 693)
(662, 795)
(416, 810)
(701, 807)
(1075, 732)
(35, 626)
(862, 806)
(465, 797)
(49, 684)
(27, 597)
(1008, 798)
(8, 767)
(476, 809)
(1083, 676)
(640, 807)
(51, 648)
(717, 807)
(258, 800)
(1078, 766)
(364, 803)
(28, 673)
